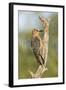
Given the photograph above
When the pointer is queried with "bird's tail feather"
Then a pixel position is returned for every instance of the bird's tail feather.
(42, 58)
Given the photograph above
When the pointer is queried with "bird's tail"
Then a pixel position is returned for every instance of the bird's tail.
(42, 59)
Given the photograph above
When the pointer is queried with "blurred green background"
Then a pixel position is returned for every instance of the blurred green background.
(28, 20)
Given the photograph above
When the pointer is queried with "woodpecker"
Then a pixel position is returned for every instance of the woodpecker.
(37, 45)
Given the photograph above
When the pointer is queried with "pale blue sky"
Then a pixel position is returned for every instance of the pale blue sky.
(30, 19)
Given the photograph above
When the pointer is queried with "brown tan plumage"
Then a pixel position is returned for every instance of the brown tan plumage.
(37, 46)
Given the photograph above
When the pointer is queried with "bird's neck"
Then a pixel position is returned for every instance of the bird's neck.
(35, 36)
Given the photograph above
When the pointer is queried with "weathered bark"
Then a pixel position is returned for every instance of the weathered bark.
(42, 69)
(39, 72)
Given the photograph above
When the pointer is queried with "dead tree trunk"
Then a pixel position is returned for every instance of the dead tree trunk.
(41, 69)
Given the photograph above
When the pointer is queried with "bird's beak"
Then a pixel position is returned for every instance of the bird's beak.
(41, 30)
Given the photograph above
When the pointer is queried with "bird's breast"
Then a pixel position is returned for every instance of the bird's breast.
(35, 43)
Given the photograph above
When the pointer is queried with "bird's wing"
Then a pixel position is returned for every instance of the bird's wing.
(35, 43)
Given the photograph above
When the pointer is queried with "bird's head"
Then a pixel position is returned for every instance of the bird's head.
(36, 32)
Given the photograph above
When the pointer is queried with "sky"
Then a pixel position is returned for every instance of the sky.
(30, 19)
